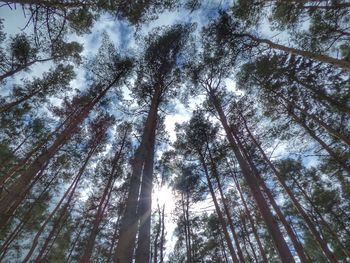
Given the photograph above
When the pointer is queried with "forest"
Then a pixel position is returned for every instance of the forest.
(175, 131)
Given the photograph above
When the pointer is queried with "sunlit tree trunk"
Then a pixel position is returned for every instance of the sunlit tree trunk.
(142, 169)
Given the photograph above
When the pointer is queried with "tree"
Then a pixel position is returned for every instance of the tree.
(157, 74)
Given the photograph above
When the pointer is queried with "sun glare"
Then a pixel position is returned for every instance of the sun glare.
(163, 196)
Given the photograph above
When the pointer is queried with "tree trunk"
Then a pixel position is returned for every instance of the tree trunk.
(328, 149)
(15, 192)
(104, 201)
(218, 211)
(245, 232)
(227, 210)
(24, 221)
(23, 67)
(155, 244)
(272, 226)
(68, 194)
(300, 250)
(56, 229)
(72, 246)
(142, 168)
(162, 236)
(86, 257)
(251, 221)
(328, 128)
(4, 178)
(343, 64)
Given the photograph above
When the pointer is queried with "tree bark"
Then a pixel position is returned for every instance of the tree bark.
(218, 211)
(343, 64)
(142, 168)
(68, 194)
(15, 192)
(104, 201)
(227, 210)
(272, 226)
(300, 250)
(250, 218)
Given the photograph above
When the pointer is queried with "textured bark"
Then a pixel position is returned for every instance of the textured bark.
(145, 201)
(218, 212)
(272, 226)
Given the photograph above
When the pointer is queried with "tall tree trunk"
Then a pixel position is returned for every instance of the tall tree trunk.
(142, 253)
(4, 178)
(142, 168)
(72, 246)
(343, 64)
(114, 239)
(155, 244)
(227, 210)
(68, 194)
(218, 211)
(55, 231)
(245, 233)
(4, 218)
(25, 220)
(324, 145)
(297, 205)
(187, 234)
(250, 218)
(104, 201)
(272, 226)
(223, 248)
(15, 192)
(162, 236)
